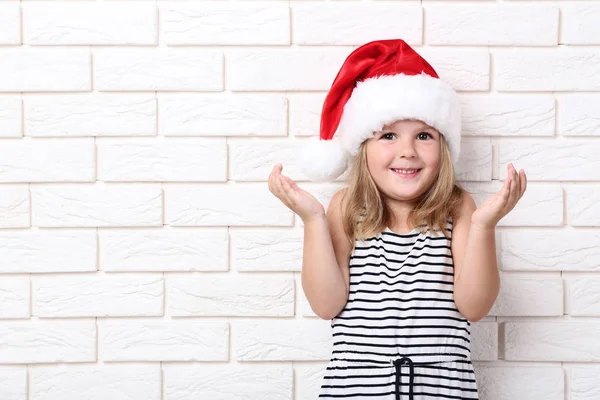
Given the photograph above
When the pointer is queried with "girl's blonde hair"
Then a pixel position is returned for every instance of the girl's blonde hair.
(365, 213)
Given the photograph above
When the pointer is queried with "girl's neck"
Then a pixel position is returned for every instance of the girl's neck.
(400, 209)
(399, 216)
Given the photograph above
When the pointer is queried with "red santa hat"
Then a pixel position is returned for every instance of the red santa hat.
(380, 82)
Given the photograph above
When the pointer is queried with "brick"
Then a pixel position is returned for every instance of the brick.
(584, 383)
(47, 251)
(580, 23)
(506, 115)
(10, 116)
(316, 68)
(280, 340)
(14, 206)
(10, 23)
(163, 340)
(308, 380)
(552, 341)
(97, 114)
(220, 205)
(529, 295)
(45, 70)
(47, 341)
(222, 114)
(541, 204)
(548, 250)
(305, 113)
(475, 160)
(556, 69)
(66, 23)
(117, 381)
(523, 383)
(583, 205)
(578, 115)
(231, 294)
(320, 24)
(162, 159)
(464, 70)
(163, 250)
(226, 24)
(218, 382)
(583, 296)
(273, 250)
(492, 24)
(13, 383)
(551, 160)
(484, 341)
(98, 295)
(47, 160)
(14, 298)
(283, 69)
(95, 206)
(253, 160)
(154, 69)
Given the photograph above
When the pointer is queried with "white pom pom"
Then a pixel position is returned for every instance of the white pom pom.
(322, 160)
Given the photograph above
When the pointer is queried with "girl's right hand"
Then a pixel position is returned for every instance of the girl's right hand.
(298, 200)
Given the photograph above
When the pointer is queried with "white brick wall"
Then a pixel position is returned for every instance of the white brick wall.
(142, 255)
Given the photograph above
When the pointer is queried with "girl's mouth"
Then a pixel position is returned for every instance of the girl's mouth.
(406, 173)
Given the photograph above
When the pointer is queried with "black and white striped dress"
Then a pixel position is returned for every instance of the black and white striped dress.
(400, 336)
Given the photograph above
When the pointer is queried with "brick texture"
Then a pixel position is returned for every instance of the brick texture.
(143, 256)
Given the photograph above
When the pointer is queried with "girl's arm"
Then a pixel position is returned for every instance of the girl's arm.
(476, 276)
(325, 262)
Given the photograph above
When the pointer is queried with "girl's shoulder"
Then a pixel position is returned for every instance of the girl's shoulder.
(465, 207)
(335, 219)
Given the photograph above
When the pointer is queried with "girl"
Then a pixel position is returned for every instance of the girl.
(403, 261)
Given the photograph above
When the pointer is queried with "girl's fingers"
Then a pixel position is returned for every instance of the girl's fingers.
(505, 192)
(514, 188)
(283, 180)
(276, 186)
(523, 183)
(274, 172)
(272, 181)
(275, 177)
(288, 192)
(291, 182)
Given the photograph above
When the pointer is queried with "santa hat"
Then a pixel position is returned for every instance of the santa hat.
(380, 82)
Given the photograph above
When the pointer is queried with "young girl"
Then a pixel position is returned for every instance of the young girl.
(402, 262)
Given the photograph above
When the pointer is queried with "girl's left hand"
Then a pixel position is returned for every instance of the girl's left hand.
(495, 207)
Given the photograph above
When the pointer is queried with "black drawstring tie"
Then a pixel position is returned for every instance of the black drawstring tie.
(411, 374)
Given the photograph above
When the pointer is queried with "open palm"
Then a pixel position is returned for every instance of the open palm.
(495, 207)
(296, 199)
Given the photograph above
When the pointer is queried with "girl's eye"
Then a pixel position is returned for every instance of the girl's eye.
(424, 135)
(388, 136)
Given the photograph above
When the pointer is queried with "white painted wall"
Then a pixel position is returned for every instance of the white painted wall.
(141, 254)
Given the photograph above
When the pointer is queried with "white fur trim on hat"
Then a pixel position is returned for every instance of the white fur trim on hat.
(322, 160)
(379, 101)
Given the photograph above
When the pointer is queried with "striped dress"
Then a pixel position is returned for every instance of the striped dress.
(400, 335)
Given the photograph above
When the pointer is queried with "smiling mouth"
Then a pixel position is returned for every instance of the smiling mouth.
(406, 173)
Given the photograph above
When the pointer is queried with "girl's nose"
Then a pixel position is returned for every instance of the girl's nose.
(406, 149)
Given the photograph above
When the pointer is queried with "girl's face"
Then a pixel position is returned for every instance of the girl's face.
(403, 159)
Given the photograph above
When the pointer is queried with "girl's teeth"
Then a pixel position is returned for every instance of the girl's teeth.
(406, 171)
